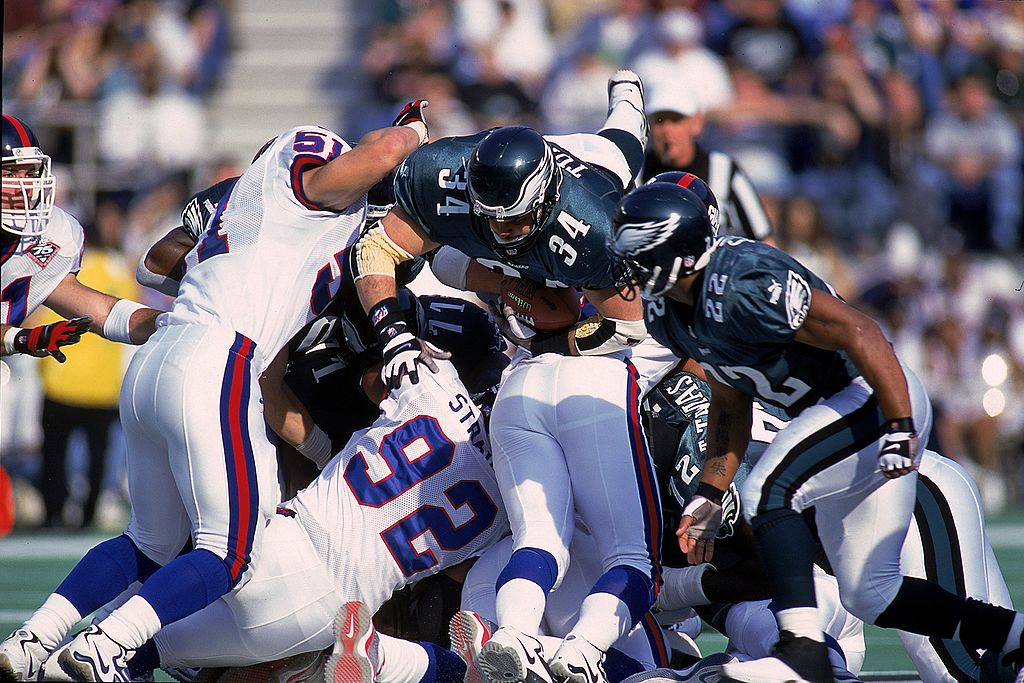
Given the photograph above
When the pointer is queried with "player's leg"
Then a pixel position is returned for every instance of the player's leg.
(110, 567)
(946, 544)
(616, 497)
(286, 607)
(530, 469)
(220, 457)
(826, 452)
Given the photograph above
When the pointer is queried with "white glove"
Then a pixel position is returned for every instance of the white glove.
(403, 354)
(702, 518)
(511, 327)
(897, 449)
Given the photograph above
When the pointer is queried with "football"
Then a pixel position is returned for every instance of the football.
(542, 308)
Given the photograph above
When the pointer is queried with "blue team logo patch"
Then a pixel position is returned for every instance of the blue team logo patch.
(43, 253)
(798, 300)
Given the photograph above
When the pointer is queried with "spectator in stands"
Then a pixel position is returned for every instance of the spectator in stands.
(83, 396)
(680, 59)
(804, 234)
(976, 154)
(676, 119)
(767, 41)
(146, 120)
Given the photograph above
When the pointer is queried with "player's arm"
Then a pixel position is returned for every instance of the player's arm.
(163, 265)
(834, 325)
(837, 326)
(347, 178)
(120, 320)
(618, 324)
(374, 258)
(729, 422)
(288, 417)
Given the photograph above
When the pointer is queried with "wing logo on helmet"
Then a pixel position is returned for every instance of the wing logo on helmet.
(634, 238)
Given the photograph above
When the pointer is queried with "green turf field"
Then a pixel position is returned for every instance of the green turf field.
(33, 563)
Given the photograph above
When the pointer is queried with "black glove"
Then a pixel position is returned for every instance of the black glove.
(412, 116)
(47, 340)
(401, 356)
(897, 449)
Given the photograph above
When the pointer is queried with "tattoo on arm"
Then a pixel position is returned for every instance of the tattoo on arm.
(717, 466)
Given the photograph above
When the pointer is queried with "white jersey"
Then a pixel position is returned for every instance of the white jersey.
(409, 496)
(32, 268)
(270, 259)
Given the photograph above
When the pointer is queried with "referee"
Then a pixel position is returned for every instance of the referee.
(676, 120)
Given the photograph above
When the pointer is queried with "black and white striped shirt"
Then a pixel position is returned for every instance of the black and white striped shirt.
(742, 212)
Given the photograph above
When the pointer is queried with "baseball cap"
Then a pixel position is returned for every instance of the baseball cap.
(672, 97)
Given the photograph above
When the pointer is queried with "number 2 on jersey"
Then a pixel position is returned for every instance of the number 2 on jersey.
(414, 452)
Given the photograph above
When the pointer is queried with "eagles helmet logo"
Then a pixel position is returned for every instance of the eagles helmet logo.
(633, 238)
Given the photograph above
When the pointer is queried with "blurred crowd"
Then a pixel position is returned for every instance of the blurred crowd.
(884, 138)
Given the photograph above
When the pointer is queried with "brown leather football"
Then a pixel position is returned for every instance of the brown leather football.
(542, 308)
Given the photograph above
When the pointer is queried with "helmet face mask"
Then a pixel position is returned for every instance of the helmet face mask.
(512, 175)
(661, 232)
(27, 182)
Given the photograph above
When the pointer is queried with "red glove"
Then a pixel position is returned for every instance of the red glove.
(412, 116)
(47, 340)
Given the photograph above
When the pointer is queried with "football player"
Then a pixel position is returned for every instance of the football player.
(510, 202)
(764, 327)
(201, 465)
(41, 253)
(946, 542)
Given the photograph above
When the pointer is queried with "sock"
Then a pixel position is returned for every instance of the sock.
(604, 618)
(787, 550)
(103, 574)
(801, 622)
(187, 584)
(132, 624)
(445, 666)
(925, 608)
(522, 589)
(53, 621)
(626, 113)
(402, 660)
(682, 587)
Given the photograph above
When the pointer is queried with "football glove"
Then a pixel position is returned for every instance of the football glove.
(47, 340)
(403, 355)
(705, 519)
(897, 448)
(412, 116)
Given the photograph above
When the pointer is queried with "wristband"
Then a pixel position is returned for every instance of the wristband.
(388, 320)
(317, 447)
(8, 341)
(901, 424)
(420, 128)
(117, 327)
(710, 492)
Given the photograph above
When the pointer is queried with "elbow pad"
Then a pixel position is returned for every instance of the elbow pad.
(374, 253)
(598, 335)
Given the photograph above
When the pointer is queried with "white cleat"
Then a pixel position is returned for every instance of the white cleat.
(307, 667)
(577, 661)
(355, 646)
(793, 660)
(706, 670)
(511, 656)
(469, 632)
(626, 85)
(93, 656)
(22, 656)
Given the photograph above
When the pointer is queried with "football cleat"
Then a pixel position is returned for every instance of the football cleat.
(93, 656)
(354, 659)
(469, 632)
(793, 660)
(626, 86)
(706, 670)
(511, 656)
(22, 656)
(577, 661)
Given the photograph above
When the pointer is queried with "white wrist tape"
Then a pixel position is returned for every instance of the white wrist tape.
(317, 447)
(420, 128)
(117, 326)
(450, 267)
(161, 283)
(9, 336)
